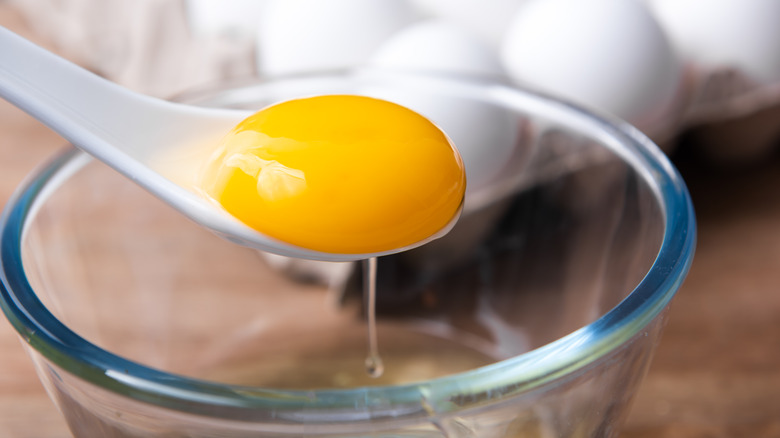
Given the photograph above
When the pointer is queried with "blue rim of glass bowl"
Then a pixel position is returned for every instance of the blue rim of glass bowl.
(517, 375)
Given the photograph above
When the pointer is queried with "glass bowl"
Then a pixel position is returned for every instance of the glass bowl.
(536, 316)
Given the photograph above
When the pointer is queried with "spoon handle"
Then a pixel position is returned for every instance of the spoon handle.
(77, 104)
(106, 120)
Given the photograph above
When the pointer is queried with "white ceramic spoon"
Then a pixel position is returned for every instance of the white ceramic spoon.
(127, 131)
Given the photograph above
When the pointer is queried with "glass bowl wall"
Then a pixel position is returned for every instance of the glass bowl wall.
(536, 316)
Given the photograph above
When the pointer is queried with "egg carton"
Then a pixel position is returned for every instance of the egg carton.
(731, 119)
(666, 66)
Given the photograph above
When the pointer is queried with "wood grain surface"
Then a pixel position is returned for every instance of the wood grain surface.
(716, 372)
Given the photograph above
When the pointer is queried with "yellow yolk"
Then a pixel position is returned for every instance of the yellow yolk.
(339, 174)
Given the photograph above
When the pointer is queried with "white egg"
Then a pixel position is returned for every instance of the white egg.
(485, 135)
(742, 34)
(609, 55)
(296, 36)
(437, 46)
(487, 18)
(209, 17)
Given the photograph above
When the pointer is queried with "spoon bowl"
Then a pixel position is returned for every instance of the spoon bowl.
(136, 135)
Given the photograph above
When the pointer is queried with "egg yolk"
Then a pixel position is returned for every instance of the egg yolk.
(338, 174)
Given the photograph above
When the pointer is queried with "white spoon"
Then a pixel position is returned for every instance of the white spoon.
(126, 130)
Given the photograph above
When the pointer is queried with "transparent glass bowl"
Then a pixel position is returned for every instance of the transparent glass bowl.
(536, 316)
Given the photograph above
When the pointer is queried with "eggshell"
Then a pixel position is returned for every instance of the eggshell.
(609, 55)
(741, 34)
(438, 46)
(489, 19)
(484, 134)
(296, 36)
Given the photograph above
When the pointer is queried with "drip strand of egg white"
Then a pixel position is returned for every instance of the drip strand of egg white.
(374, 365)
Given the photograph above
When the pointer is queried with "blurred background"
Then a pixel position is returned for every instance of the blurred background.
(700, 77)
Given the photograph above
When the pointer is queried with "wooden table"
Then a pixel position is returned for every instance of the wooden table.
(717, 370)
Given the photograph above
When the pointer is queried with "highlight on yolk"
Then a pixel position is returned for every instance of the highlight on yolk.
(339, 174)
